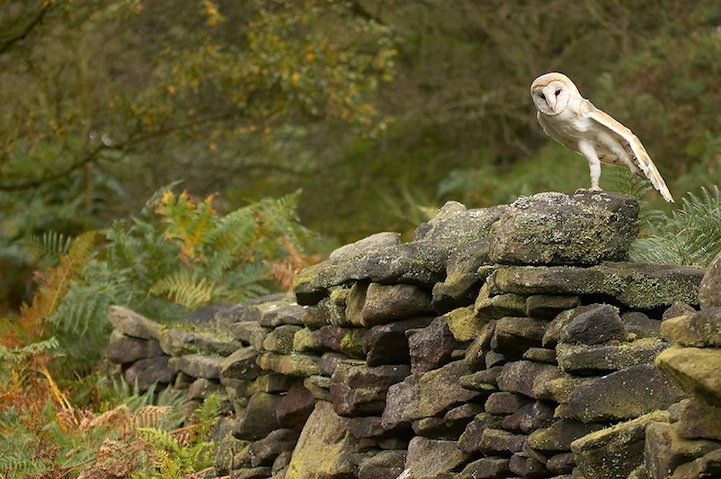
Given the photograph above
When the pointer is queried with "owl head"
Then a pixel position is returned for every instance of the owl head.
(552, 93)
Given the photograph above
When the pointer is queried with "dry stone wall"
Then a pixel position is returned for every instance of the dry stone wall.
(512, 341)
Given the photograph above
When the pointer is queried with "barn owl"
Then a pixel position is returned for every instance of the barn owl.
(574, 122)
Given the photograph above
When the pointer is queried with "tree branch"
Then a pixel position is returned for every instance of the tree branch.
(93, 155)
(19, 36)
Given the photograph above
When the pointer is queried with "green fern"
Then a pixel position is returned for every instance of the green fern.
(49, 247)
(185, 288)
(689, 236)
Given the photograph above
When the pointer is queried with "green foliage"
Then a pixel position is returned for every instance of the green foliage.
(178, 254)
(553, 168)
(689, 236)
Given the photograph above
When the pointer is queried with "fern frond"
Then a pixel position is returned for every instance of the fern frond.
(159, 439)
(49, 246)
(185, 289)
(691, 235)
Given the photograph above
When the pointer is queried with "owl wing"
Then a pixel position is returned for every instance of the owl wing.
(631, 144)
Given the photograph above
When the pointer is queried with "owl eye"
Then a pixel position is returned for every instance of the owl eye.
(558, 92)
(543, 97)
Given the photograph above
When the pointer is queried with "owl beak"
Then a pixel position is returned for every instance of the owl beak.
(551, 101)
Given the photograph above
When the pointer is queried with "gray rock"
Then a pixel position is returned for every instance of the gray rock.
(198, 365)
(272, 383)
(240, 365)
(281, 464)
(527, 378)
(530, 417)
(366, 245)
(481, 344)
(708, 465)
(598, 325)
(421, 262)
(278, 313)
(325, 448)
(280, 339)
(665, 450)
(545, 306)
(330, 361)
(262, 472)
(697, 329)
(383, 465)
(317, 315)
(176, 342)
(384, 304)
(266, 450)
(541, 355)
(359, 390)
(526, 466)
(514, 336)
(640, 325)
(471, 437)
(307, 340)
(561, 463)
(319, 386)
(259, 418)
(432, 346)
(553, 330)
(428, 458)
(366, 427)
(388, 343)
(124, 349)
(624, 394)
(554, 228)
(348, 341)
(438, 390)
(250, 333)
(709, 294)
(636, 285)
(486, 468)
(146, 372)
(695, 370)
(677, 309)
(464, 324)
(450, 426)
(699, 420)
(502, 403)
(484, 380)
(402, 403)
(133, 324)
(201, 388)
(582, 359)
(614, 452)
(499, 442)
(296, 364)
(462, 281)
(559, 435)
(488, 307)
(295, 407)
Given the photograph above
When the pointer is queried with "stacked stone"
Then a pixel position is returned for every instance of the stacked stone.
(512, 341)
(264, 378)
(542, 334)
(688, 444)
(567, 346)
(242, 354)
(397, 403)
(148, 353)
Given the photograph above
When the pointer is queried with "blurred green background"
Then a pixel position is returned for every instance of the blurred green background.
(379, 110)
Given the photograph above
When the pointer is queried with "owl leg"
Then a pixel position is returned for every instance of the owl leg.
(594, 164)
